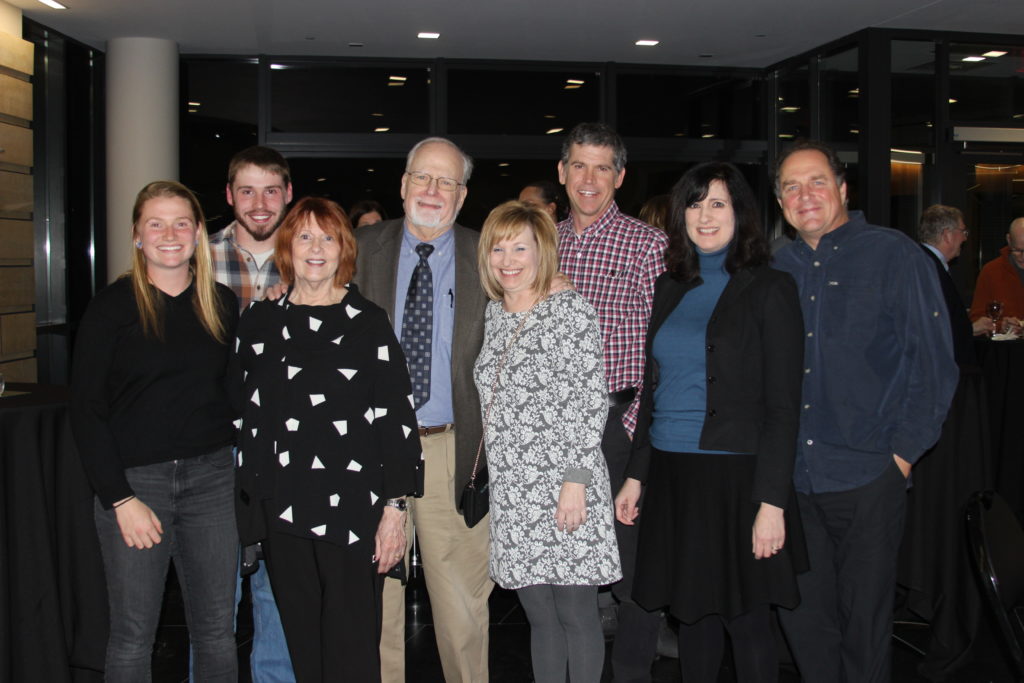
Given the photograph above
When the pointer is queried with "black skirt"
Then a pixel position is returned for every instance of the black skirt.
(695, 551)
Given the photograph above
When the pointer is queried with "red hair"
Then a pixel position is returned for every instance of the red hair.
(332, 220)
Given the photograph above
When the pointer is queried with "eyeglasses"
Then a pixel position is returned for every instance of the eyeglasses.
(424, 180)
(965, 231)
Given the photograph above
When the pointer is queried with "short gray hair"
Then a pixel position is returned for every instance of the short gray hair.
(596, 135)
(937, 219)
(467, 161)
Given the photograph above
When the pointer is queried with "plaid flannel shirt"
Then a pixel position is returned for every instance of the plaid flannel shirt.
(235, 267)
(613, 265)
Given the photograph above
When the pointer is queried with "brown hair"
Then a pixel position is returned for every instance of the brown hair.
(332, 220)
(505, 222)
(264, 158)
(204, 297)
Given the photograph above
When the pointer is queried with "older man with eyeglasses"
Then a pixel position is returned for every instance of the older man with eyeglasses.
(1002, 280)
(422, 269)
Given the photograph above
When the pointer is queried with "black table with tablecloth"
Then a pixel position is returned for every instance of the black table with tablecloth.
(935, 569)
(1002, 363)
(53, 605)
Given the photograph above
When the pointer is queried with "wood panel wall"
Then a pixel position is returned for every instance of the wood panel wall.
(17, 253)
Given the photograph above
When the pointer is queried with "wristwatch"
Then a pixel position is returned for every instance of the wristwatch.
(397, 503)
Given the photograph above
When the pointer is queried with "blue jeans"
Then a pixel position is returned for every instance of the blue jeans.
(269, 661)
(194, 501)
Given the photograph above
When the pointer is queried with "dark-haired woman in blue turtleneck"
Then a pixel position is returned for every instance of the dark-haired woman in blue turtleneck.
(720, 542)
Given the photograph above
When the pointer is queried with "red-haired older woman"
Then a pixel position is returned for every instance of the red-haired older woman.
(328, 447)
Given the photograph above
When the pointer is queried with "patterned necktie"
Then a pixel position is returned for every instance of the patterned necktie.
(418, 325)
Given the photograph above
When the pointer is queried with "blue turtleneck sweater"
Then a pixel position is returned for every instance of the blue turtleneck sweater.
(680, 400)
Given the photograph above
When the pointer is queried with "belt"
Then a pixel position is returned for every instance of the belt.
(621, 397)
(428, 431)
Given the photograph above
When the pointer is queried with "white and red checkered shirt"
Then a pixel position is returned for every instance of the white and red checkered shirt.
(613, 265)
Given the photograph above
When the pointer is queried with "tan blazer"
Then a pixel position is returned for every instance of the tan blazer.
(376, 275)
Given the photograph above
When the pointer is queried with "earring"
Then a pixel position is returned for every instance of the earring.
(196, 243)
(138, 244)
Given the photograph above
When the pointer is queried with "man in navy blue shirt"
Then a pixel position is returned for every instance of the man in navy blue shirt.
(879, 376)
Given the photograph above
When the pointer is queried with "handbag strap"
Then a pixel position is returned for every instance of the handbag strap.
(494, 386)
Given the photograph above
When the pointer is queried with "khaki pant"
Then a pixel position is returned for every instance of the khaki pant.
(455, 568)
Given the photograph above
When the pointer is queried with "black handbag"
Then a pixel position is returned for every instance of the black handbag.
(476, 497)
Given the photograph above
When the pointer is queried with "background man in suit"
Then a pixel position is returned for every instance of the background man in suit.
(394, 259)
(942, 234)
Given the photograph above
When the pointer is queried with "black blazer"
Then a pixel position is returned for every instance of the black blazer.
(963, 332)
(754, 355)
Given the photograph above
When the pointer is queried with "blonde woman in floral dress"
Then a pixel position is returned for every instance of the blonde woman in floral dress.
(542, 391)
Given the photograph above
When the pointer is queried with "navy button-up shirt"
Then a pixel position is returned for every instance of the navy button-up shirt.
(879, 373)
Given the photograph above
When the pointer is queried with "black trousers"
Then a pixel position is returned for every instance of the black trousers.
(330, 604)
(636, 639)
(842, 630)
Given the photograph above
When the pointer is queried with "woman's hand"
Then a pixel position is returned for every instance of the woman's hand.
(390, 540)
(139, 525)
(572, 507)
(626, 510)
(769, 534)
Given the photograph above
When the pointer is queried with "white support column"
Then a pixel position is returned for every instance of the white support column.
(142, 132)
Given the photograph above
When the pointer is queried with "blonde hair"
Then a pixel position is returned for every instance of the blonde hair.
(205, 301)
(505, 222)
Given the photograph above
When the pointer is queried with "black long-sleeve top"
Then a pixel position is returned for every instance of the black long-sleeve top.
(328, 429)
(138, 400)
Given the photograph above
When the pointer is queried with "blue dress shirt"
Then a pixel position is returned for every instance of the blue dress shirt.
(438, 408)
(879, 373)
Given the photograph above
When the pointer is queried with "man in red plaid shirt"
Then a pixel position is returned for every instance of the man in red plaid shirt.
(613, 260)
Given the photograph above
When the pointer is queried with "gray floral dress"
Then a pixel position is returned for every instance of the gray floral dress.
(545, 428)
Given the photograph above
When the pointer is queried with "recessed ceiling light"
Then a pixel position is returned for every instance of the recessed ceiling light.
(382, 129)
(973, 58)
(370, 170)
(952, 100)
(427, 35)
(320, 180)
(193, 111)
(378, 114)
(574, 81)
(993, 53)
(552, 131)
(786, 136)
(503, 164)
(679, 135)
(195, 104)
(1018, 116)
(790, 110)
(278, 67)
(854, 92)
(855, 131)
(217, 135)
(398, 78)
(708, 135)
(549, 116)
(646, 43)
(53, 3)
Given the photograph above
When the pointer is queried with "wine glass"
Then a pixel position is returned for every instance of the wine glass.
(995, 312)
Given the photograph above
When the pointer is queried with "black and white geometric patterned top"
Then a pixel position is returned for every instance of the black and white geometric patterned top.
(328, 432)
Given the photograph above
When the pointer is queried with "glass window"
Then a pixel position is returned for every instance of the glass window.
(312, 97)
(502, 102)
(840, 93)
(220, 111)
(913, 93)
(986, 84)
(793, 111)
(675, 105)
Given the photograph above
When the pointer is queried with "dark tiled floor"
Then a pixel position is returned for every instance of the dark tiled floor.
(510, 647)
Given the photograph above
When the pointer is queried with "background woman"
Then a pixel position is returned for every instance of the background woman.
(328, 447)
(153, 423)
(547, 195)
(542, 389)
(716, 437)
(366, 212)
